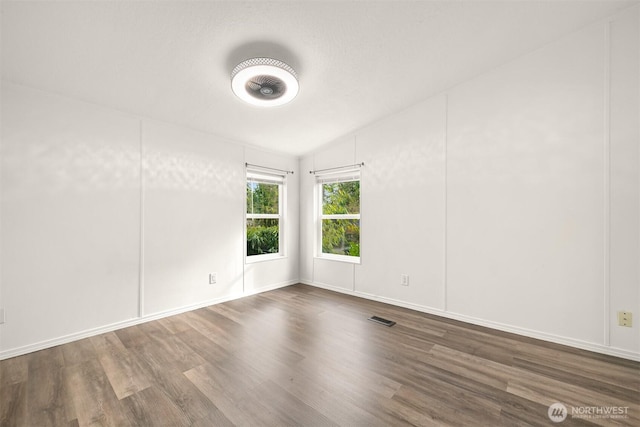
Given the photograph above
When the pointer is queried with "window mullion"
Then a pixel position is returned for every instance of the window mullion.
(341, 216)
(263, 216)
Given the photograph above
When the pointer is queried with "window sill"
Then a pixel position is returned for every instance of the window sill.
(339, 258)
(252, 259)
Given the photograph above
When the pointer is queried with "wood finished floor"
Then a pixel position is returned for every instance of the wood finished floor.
(302, 356)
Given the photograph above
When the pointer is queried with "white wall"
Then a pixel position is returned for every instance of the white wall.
(83, 186)
(194, 195)
(403, 181)
(70, 217)
(525, 185)
(511, 200)
(624, 149)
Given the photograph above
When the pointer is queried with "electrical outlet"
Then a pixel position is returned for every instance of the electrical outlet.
(625, 318)
(213, 278)
(404, 279)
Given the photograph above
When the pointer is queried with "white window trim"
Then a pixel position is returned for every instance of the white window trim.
(333, 177)
(281, 181)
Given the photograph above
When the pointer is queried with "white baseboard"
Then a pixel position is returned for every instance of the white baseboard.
(598, 348)
(584, 345)
(19, 351)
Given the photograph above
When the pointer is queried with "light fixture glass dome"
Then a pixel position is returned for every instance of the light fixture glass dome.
(264, 82)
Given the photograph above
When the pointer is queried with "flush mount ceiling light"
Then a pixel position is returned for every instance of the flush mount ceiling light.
(264, 82)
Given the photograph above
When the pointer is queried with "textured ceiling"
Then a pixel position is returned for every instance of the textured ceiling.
(357, 61)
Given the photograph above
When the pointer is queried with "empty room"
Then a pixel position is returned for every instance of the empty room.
(320, 213)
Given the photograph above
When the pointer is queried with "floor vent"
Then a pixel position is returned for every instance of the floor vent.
(382, 321)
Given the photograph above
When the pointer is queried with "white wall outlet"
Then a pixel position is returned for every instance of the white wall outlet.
(625, 319)
(404, 279)
(2, 319)
(213, 278)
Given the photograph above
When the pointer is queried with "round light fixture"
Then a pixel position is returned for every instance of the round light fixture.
(264, 82)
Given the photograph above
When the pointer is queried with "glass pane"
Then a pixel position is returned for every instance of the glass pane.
(263, 236)
(341, 198)
(341, 236)
(262, 198)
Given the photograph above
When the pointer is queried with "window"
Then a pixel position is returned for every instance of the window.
(264, 215)
(339, 215)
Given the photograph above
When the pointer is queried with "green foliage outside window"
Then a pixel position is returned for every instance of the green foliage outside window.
(263, 236)
(262, 198)
(341, 236)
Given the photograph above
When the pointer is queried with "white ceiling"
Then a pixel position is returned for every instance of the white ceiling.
(357, 61)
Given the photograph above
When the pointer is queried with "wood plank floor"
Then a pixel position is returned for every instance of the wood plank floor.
(302, 356)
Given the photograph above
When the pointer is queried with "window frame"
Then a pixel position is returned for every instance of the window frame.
(259, 176)
(329, 178)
